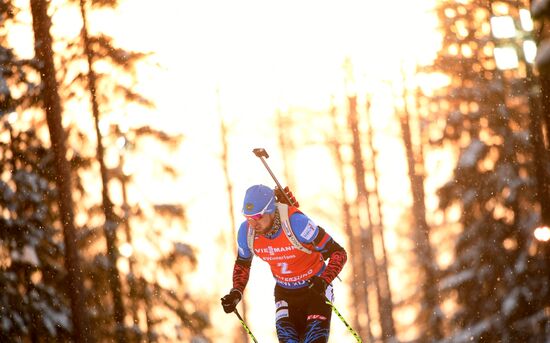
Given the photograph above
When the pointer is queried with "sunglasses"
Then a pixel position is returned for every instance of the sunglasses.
(259, 215)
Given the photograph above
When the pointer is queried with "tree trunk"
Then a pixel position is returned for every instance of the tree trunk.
(52, 105)
(378, 230)
(111, 221)
(423, 246)
(360, 299)
(537, 140)
(367, 242)
(229, 185)
(132, 278)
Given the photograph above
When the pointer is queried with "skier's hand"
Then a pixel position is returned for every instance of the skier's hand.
(281, 198)
(318, 285)
(230, 301)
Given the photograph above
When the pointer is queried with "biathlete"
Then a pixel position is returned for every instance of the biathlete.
(296, 250)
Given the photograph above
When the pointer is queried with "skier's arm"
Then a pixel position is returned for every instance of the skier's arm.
(241, 273)
(314, 237)
(331, 251)
(241, 269)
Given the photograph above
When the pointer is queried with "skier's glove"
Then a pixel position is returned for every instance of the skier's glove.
(281, 198)
(318, 285)
(230, 301)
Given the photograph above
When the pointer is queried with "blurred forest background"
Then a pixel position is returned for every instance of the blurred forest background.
(435, 179)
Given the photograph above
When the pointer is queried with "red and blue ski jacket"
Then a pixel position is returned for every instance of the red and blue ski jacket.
(291, 267)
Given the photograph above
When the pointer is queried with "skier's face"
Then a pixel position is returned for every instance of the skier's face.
(261, 225)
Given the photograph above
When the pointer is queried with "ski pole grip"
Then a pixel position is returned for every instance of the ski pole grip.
(260, 152)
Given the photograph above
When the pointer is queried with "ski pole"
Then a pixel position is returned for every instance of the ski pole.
(355, 334)
(261, 153)
(245, 326)
(328, 302)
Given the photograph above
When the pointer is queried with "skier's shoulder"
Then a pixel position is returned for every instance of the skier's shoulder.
(242, 242)
(304, 227)
(242, 232)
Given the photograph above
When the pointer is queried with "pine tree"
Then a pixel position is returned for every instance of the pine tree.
(34, 304)
(430, 313)
(105, 90)
(52, 105)
(358, 292)
(499, 276)
(146, 295)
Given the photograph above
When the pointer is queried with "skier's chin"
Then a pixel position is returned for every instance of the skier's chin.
(261, 231)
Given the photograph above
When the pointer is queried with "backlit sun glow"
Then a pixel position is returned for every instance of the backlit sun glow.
(243, 61)
(542, 233)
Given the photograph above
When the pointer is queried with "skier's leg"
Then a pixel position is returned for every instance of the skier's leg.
(286, 330)
(318, 318)
(317, 329)
(290, 314)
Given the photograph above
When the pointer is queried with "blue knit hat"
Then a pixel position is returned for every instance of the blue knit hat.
(258, 199)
